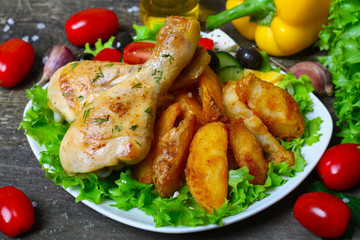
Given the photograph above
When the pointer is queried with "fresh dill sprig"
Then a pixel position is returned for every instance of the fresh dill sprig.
(149, 111)
(169, 56)
(86, 114)
(101, 120)
(138, 85)
(98, 75)
(72, 66)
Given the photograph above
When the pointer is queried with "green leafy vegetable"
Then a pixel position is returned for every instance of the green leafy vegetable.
(341, 39)
(99, 46)
(145, 33)
(127, 193)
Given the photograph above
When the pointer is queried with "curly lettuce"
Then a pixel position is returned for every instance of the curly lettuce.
(340, 38)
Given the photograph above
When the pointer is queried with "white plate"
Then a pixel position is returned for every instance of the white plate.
(139, 219)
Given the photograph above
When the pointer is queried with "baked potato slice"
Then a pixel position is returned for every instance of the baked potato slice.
(189, 75)
(207, 166)
(189, 106)
(166, 121)
(247, 151)
(210, 95)
(170, 158)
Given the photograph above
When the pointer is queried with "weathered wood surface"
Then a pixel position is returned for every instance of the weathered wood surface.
(57, 214)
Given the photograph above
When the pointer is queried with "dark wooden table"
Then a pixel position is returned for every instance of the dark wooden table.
(57, 214)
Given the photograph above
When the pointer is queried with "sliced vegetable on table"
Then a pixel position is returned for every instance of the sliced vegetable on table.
(279, 27)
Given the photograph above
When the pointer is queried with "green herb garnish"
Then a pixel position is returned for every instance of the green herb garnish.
(101, 120)
(138, 85)
(98, 75)
(149, 111)
(169, 56)
(73, 65)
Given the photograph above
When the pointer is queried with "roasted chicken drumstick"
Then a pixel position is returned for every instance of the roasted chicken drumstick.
(118, 127)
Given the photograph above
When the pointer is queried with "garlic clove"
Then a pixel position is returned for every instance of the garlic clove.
(58, 57)
(320, 77)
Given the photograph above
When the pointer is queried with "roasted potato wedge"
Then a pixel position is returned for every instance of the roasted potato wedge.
(210, 95)
(207, 167)
(273, 105)
(169, 162)
(235, 109)
(189, 75)
(247, 151)
(189, 106)
(143, 170)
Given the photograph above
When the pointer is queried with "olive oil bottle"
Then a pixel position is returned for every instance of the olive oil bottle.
(152, 11)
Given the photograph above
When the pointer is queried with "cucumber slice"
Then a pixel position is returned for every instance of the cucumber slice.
(226, 59)
(230, 73)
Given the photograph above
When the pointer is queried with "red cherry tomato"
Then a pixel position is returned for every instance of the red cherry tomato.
(339, 167)
(138, 52)
(108, 54)
(207, 43)
(322, 214)
(91, 24)
(16, 211)
(16, 60)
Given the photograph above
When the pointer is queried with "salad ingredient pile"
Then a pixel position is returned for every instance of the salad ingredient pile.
(340, 38)
(279, 27)
(192, 108)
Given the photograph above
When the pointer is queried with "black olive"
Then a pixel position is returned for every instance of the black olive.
(122, 40)
(249, 57)
(85, 56)
(214, 62)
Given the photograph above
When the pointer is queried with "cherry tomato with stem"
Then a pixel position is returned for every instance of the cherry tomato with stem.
(16, 211)
(138, 52)
(16, 60)
(91, 24)
(322, 214)
(108, 54)
(207, 43)
(339, 167)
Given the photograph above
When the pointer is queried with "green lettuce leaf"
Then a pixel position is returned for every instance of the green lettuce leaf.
(99, 46)
(341, 38)
(145, 33)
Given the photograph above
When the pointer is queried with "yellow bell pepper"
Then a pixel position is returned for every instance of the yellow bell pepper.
(294, 24)
(271, 76)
